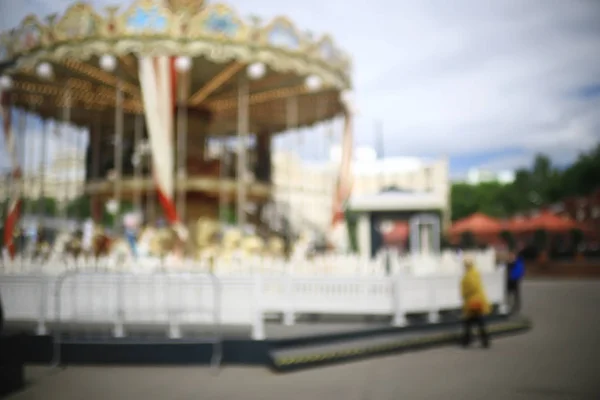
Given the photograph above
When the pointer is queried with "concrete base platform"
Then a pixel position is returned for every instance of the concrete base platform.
(295, 357)
(12, 365)
(307, 348)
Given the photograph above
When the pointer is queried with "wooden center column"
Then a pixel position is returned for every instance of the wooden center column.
(263, 170)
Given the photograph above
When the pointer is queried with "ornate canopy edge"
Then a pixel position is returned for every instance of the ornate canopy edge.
(148, 27)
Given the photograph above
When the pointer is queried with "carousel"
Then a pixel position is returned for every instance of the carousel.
(181, 100)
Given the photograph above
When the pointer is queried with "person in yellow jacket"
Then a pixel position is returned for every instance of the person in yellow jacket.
(475, 304)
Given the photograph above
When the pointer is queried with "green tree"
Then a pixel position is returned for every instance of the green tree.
(462, 200)
(541, 184)
(582, 176)
(80, 207)
(490, 198)
(42, 205)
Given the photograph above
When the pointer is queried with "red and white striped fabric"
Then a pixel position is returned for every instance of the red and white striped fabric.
(14, 199)
(158, 80)
(344, 184)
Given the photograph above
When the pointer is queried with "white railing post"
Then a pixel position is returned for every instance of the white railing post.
(119, 326)
(258, 321)
(41, 328)
(433, 316)
(172, 313)
(289, 315)
(399, 315)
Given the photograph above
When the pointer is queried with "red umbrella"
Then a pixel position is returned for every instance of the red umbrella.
(550, 222)
(516, 224)
(477, 223)
(397, 233)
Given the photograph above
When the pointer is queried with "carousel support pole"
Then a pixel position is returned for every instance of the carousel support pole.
(118, 151)
(66, 118)
(137, 195)
(37, 196)
(118, 329)
(41, 207)
(292, 123)
(223, 169)
(79, 193)
(182, 134)
(28, 207)
(302, 188)
(151, 195)
(22, 129)
(243, 123)
(96, 142)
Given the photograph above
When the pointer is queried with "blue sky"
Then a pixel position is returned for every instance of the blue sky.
(488, 84)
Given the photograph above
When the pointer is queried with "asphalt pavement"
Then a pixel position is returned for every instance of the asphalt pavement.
(558, 359)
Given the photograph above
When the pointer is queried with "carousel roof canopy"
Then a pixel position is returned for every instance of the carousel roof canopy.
(78, 59)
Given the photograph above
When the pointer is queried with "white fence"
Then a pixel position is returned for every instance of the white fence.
(334, 265)
(175, 300)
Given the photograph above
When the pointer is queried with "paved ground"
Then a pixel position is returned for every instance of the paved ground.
(559, 359)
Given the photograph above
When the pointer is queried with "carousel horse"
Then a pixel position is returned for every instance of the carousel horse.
(252, 245)
(61, 243)
(101, 244)
(145, 241)
(42, 246)
(302, 246)
(230, 243)
(42, 250)
(73, 246)
(276, 246)
(120, 250)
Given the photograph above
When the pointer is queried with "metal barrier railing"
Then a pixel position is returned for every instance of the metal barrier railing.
(123, 282)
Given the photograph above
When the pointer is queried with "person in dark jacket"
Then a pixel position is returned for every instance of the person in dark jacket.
(515, 273)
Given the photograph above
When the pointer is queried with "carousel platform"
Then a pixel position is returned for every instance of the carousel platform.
(306, 344)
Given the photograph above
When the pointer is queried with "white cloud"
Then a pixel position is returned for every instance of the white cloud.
(453, 77)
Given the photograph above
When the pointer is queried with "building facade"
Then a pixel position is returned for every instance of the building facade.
(63, 180)
(304, 190)
(476, 176)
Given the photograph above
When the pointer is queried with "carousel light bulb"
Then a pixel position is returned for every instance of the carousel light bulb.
(5, 82)
(256, 70)
(108, 62)
(347, 98)
(313, 83)
(44, 70)
(112, 206)
(183, 64)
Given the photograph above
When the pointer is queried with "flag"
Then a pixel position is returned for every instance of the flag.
(344, 183)
(158, 80)
(14, 203)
